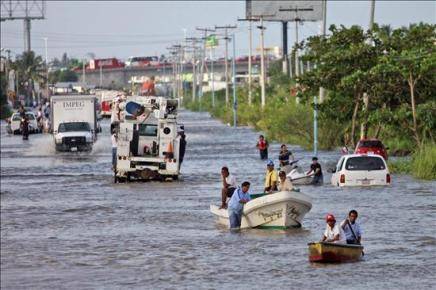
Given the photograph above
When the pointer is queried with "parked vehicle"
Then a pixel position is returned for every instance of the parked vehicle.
(105, 63)
(14, 123)
(106, 98)
(74, 122)
(361, 170)
(371, 146)
(135, 61)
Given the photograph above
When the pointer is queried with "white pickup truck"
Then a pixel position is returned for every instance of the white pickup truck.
(74, 122)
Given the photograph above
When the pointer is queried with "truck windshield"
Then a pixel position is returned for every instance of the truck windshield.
(147, 130)
(74, 127)
(365, 163)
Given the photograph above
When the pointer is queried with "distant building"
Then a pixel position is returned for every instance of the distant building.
(71, 87)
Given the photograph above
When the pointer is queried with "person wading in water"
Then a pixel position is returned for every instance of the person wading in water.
(262, 145)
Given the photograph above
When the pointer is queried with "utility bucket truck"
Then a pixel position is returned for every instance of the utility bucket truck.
(148, 139)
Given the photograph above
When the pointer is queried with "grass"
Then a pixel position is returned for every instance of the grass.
(421, 165)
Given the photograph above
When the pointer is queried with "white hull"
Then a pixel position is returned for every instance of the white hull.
(297, 175)
(283, 209)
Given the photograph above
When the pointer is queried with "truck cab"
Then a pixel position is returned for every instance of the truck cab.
(74, 122)
(148, 146)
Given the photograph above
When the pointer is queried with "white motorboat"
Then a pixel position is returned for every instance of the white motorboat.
(296, 174)
(278, 210)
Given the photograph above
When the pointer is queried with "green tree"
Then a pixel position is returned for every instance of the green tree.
(30, 69)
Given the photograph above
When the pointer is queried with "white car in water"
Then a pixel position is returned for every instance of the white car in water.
(14, 123)
(361, 170)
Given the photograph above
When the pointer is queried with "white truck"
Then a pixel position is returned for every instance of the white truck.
(74, 122)
(148, 146)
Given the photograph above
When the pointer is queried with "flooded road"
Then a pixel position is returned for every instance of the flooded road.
(64, 224)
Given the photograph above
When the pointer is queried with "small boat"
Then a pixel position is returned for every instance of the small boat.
(296, 174)
(280, 210)
(324, 252)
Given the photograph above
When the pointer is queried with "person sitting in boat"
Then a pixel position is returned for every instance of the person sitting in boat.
(229, 186)
(236, 204)
(333, 233)
(352, 229)
(315, 169)
(285, 155)
(271, 179)
(285, 184)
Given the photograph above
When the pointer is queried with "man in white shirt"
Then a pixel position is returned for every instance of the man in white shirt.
(229, 186)
(333, 233)
(352, 229)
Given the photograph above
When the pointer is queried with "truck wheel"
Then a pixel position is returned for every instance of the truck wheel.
(175, 177)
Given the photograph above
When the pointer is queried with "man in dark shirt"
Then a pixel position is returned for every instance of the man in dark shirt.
(315, 167)
(285, 155)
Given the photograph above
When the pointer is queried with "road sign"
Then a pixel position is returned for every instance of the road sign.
(301, 10)
(211, 41)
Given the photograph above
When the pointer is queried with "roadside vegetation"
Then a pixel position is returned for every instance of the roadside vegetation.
(379, 84)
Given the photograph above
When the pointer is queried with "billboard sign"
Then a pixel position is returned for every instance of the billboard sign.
(299, 10)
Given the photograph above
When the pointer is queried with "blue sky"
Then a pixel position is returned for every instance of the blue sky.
(123, 29)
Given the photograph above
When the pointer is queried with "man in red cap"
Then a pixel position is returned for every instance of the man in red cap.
(333, 233)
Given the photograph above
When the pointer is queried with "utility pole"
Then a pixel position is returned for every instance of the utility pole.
(297, 20)
(285, 47)
(212, 77)
(250, 56)
(371, 19)
(262, 62)
(297, 62)
(323, 32)
(83, 72)
(364, 124)
(226, 61)
(235, 101)
(46, 65)
(194, 65)
(203, 56)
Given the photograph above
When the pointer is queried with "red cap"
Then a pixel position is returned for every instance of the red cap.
(330, 217)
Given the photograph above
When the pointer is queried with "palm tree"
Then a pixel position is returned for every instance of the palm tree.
(30, 69)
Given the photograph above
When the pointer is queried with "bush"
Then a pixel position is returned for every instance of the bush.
(424, 162)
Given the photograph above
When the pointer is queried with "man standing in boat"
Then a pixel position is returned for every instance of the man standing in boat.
(333, 233)
(271, 179)
(229, 186)
(315, 169)
(236, 205)
(262, 145)
(352, 229)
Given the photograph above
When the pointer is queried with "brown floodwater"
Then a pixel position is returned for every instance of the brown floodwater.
(66, 225)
